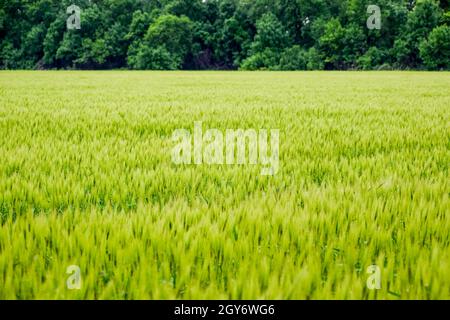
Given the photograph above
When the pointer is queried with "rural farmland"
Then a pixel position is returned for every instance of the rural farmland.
(88, 183)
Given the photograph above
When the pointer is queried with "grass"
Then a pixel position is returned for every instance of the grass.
(86, 179)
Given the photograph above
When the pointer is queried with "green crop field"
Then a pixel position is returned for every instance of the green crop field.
(87, 179)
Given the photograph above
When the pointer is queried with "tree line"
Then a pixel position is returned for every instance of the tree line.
(225, 34)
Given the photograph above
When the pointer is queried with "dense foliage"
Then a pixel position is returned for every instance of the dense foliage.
(225, 34)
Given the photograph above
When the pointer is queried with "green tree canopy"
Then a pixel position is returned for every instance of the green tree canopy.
(224, 34)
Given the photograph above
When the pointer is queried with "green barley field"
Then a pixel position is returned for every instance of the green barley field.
(87, 180)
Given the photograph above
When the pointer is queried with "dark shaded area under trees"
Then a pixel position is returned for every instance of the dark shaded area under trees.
(225, 34)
